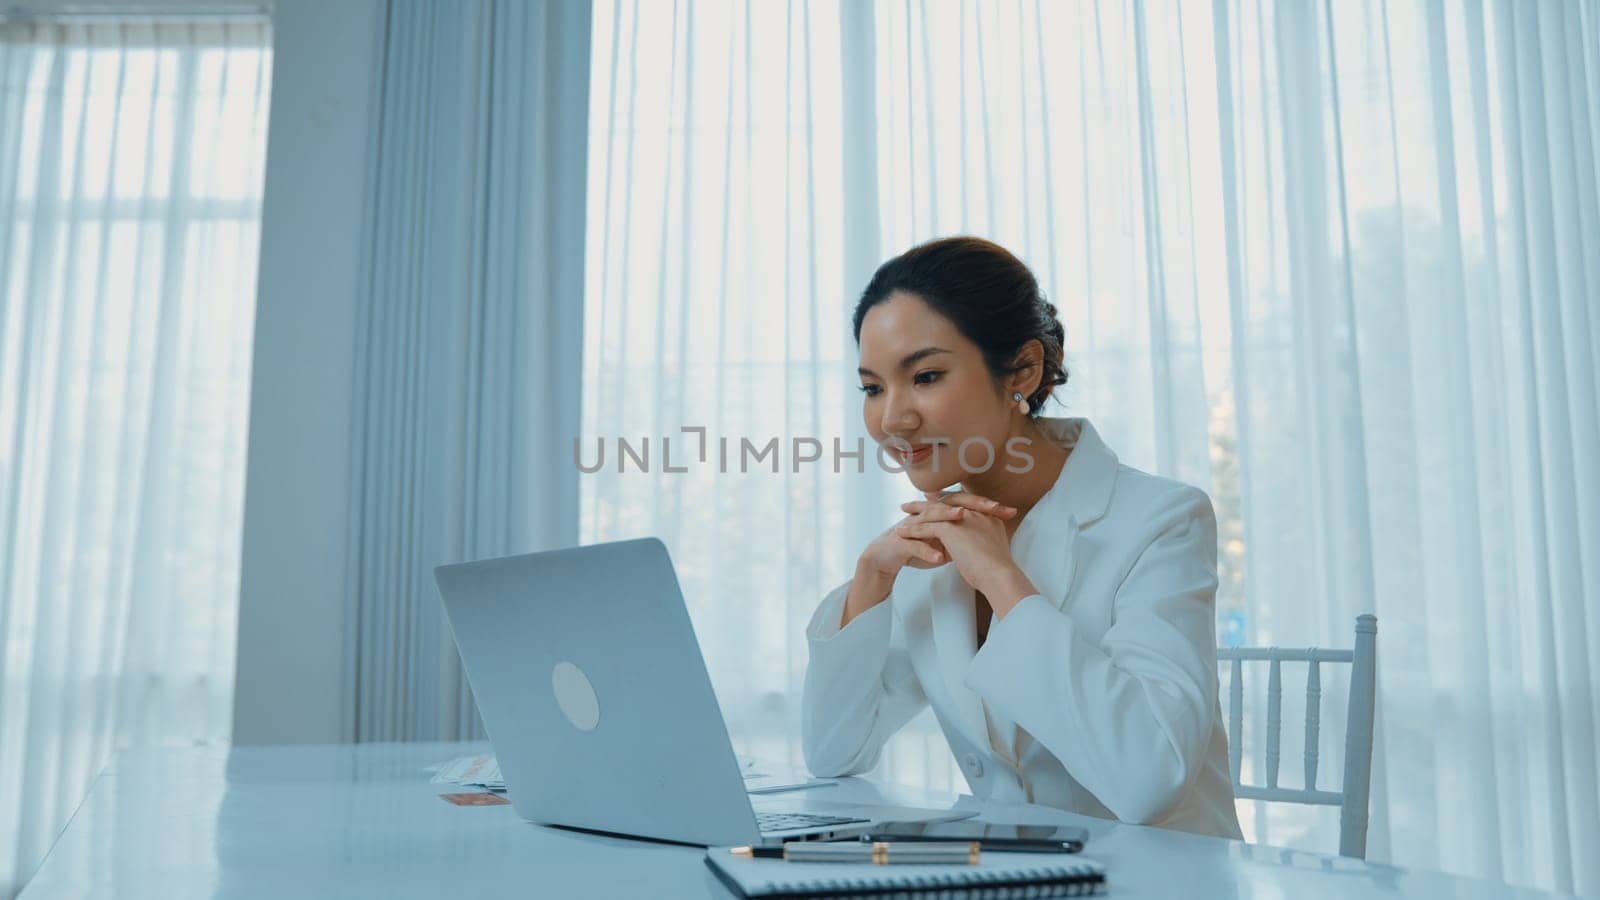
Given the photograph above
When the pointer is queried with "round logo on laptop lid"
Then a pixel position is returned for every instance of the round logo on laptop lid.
(575, 695)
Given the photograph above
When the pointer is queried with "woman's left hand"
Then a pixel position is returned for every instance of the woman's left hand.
(981, 550)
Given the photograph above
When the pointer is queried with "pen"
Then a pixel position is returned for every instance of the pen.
(882, 854)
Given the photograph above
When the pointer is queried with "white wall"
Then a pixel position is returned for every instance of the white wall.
(296, 489)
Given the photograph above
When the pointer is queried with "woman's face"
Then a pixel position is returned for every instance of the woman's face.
(926, 387)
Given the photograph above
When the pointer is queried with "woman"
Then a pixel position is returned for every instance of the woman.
(1052, 605)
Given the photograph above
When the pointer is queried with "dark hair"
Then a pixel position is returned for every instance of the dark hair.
(990, 295)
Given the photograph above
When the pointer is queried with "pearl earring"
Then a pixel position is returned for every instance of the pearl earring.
(1022, 405)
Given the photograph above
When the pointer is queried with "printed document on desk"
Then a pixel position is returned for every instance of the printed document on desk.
(762, 777)
(480, 769)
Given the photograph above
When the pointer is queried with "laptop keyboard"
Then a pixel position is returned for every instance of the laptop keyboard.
(777, 821)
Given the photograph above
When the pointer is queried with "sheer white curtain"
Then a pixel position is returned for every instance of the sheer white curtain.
(715, 298)
(468, 337)
(1335, 263)
(1409, 198)
(130, 183)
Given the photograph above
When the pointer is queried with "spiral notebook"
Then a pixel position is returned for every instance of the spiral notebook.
(998, 876)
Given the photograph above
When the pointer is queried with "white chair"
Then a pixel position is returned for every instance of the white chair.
(1353, 795)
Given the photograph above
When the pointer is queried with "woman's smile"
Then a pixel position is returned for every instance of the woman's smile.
(915, 455)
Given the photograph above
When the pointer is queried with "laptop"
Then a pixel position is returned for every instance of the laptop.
(591, 685)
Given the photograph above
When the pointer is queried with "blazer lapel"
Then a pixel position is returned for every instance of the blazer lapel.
(1047, 543)
(1049, 559)
(1045, 547)
(954, 617)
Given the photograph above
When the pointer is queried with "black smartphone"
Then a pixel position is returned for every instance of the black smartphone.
(1012, 838)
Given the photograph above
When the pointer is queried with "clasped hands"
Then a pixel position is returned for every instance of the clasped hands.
(970, 531)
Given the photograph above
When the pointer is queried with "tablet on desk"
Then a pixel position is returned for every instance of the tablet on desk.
(1012, 838)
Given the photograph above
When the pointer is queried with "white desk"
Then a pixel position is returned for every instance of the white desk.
(363, 821)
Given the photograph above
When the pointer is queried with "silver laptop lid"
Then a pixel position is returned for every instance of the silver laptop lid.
(590, 681)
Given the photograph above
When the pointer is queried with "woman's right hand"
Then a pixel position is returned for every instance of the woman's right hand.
(891, 551)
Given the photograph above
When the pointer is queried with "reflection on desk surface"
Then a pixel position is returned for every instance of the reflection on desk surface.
(364, 821)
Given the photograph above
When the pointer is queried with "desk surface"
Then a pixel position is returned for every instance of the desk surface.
(363, 821)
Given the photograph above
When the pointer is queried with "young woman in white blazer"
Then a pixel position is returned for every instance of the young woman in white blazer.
(1052, 605)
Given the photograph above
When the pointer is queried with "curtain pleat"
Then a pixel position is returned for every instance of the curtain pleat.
(470, 339)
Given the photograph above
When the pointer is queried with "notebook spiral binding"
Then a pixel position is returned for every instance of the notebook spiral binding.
(1078, 881)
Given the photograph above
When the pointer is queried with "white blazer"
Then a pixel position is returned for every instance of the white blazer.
(1096, 695)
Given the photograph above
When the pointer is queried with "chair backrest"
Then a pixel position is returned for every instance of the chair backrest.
(1352, 796)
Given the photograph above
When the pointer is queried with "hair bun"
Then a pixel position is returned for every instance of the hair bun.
(1053, 337)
